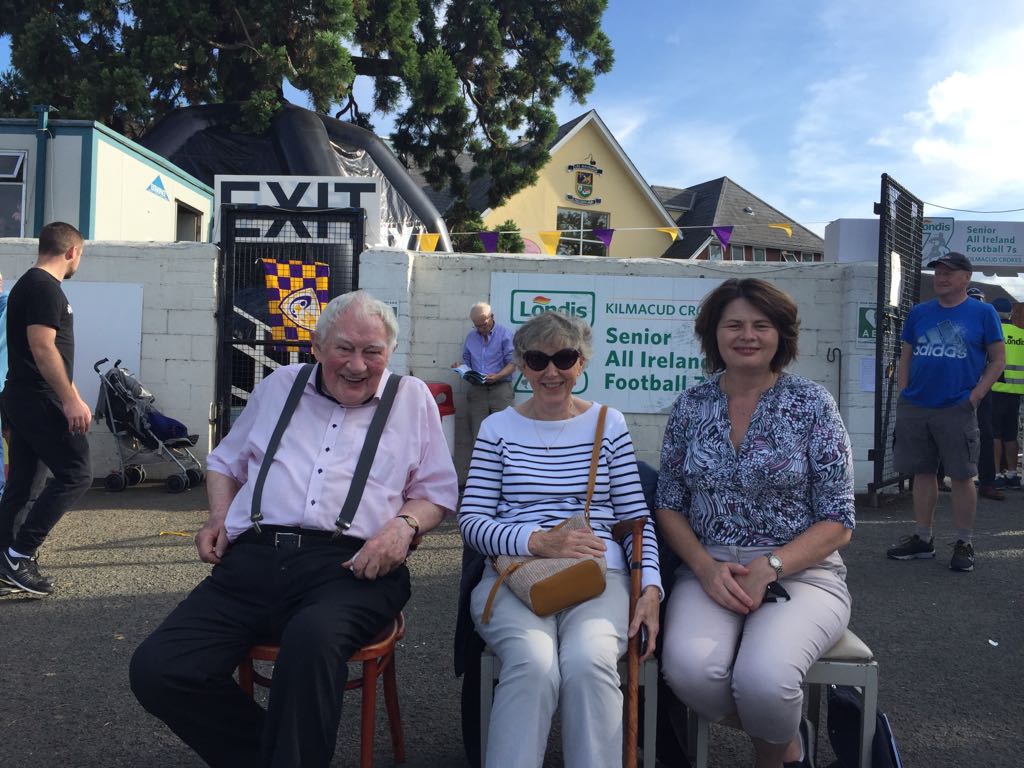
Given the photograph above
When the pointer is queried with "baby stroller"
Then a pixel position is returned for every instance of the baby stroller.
(142, 434)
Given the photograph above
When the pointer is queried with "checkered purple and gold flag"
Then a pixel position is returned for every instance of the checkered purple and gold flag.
(295, 294)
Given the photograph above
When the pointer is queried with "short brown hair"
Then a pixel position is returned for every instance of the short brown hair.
(766, 298)
(57, 238)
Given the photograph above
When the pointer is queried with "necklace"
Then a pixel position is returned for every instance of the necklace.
(737, 411)
(548, 446)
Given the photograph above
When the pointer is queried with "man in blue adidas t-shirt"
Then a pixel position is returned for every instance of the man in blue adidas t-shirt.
(951, 354)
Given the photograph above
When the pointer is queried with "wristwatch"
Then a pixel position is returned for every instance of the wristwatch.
(413, 523)
(775, 562)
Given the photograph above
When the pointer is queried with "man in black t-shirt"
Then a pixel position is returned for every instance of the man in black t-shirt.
(47, 418)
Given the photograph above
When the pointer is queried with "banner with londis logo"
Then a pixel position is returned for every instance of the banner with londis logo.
(645, 352)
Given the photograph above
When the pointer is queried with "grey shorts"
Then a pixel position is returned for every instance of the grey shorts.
(925, 436)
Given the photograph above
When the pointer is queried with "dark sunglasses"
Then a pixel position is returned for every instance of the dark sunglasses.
(564, 359)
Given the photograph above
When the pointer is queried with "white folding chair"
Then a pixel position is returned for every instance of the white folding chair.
(490, 670)
(849, 662)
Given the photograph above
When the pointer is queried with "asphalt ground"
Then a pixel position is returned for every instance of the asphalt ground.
(950, 645)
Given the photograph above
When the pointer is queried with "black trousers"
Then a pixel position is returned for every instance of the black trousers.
(39, 433)
(301, 599)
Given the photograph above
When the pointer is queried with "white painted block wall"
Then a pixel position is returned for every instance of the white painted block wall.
(178, 327)
(433, 293)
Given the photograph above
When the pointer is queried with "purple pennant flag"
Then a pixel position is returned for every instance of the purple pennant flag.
(723, 234)
(490, 241)
(605, 236)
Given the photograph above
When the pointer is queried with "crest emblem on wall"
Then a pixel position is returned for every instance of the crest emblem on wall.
(584, 183)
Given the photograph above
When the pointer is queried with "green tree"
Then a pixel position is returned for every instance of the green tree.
(458, 75)
(510, 239)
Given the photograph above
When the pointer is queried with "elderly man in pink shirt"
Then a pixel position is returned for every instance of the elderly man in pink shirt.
(289, 569)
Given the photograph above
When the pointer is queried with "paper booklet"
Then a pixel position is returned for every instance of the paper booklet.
(467, 373)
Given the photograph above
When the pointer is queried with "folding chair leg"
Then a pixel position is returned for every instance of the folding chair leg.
(394, 716)
(649, 676)
(369, 710)
(486, 700)
(698, 739)
(814, 704)
(867, 725)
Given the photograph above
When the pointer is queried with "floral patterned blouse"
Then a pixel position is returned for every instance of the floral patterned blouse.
(793, 469)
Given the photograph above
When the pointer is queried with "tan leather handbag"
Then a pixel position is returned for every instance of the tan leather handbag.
(547, 585)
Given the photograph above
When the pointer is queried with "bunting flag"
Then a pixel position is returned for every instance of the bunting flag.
(723, 234)
(490, 241)
(787, 228)
(605, 236)
(550, 240)
(427, 241)
(672, 232)
(295, 294)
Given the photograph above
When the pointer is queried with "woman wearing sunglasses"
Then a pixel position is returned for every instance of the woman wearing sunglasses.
(528, 474)
(755, 495)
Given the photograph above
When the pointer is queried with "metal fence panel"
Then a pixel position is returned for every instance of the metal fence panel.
(900, 245)
(297, 245)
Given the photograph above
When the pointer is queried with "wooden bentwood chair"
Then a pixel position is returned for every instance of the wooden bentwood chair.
(378, 660)
(490, 670)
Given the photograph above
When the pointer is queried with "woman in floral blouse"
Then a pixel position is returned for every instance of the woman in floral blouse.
(755, 493)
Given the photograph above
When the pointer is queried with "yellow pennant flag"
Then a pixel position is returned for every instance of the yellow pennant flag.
(550, 240)
(672, 232)
(787, 228)
(427, 241)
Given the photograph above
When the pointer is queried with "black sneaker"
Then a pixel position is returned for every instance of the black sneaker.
(963, 556)
(23, 573)
(912, 548)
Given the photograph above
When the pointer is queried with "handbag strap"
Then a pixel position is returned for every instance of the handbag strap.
(594, 460)
(255, 513)
(486, 617)
(369, 450)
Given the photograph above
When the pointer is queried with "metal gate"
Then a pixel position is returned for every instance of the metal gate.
(276, 269)
(900, 246)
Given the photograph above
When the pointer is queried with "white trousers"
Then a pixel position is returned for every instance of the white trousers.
(721, 663)
(568, 661)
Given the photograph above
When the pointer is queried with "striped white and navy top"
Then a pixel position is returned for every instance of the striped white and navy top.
(528, 475)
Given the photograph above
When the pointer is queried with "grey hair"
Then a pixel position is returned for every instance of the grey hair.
(481, 307)
(555, 330)
(363, 303)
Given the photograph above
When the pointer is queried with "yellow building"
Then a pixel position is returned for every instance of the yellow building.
(589, 184)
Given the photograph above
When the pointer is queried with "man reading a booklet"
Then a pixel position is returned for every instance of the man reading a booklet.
(487, 366)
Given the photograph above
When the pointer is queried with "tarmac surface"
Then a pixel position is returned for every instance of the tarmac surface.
(950, 645)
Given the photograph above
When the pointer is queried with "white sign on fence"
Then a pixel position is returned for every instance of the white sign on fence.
(645, 352)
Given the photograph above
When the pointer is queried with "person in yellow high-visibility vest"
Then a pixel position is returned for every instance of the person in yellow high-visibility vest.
(1006, 394)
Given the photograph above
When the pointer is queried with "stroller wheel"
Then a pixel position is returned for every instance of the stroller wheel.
(134, 474)
(195, 477)
(176, 483)
(114, 482)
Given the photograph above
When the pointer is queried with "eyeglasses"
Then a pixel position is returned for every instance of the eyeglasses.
(564, 359)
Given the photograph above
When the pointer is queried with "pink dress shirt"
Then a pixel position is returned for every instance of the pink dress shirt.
(311, 471)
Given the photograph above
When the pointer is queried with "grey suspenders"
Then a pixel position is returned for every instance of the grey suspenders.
(362, 471)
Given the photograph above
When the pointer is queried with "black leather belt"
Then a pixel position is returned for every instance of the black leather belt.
(288, 537)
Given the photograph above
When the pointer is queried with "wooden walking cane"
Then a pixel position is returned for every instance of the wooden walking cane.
(632, 714)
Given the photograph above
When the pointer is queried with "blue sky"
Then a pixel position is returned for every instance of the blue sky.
(807, 103)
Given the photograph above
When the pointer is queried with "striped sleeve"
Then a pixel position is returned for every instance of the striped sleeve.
(627, 497)
(478, 521)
